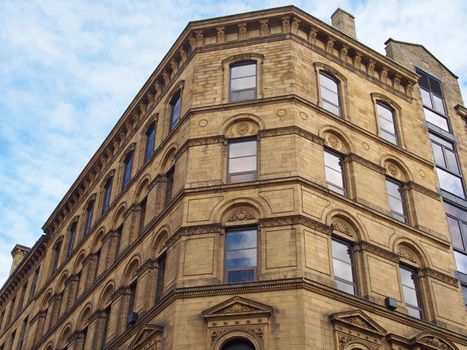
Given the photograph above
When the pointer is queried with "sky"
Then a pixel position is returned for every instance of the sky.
(69, 69)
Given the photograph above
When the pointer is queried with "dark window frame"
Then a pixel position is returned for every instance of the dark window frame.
(418, 292)
(56, 256)
(127, 170)
(255, 89)
(170, 179)
(351, 253)
(107, 194)
(89, 215)
(150, 145)
(254, 173)
(71, 238)
(175, 106)
(461, 223)
(255, 269)
(405, 212)
(160, 277)
(343, 172)
(384, 105)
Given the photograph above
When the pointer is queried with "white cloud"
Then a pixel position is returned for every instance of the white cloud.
(70, 68)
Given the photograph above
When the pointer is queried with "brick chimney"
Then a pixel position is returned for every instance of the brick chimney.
(345, 22)
(18, 253)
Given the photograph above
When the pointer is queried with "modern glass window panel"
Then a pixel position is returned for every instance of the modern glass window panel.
(235, 178)
(461, 262)
(450, 183)
(426, 98)
(345, 287)
(438, 105)
(240, 276)
(438, 154)
(451, 161)
(243, 70)
(242, 149)
(243, 95)
(241, 239)
(244, 164)
(340, 251)
(436, 119)
(241, 258)
(456, 234)
(342, 270)
(414, 312)
(328, 83)
(243, 83)
(455, 211)
(331, 108)
(410, 296)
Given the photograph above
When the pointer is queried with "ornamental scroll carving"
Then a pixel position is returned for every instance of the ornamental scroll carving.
(407, 255)
(436, 343)
(241, 215)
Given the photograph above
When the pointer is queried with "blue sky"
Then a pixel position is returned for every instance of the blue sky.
(68, 70)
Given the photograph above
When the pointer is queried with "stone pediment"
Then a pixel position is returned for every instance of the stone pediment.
(433, 342)
(357, 319)
(238, 306)
(148, 338)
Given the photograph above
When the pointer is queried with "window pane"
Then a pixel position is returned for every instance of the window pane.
(240, 276)
(243, 83)
(456, 235)
(340, 251)
(464, 292)
(241, 149)
(450, 183)
(334, 177)
(328, 83)
(241, 239)
(407, 277)
(388, 136)
(241, 258)
(438, 154)
(235, 178)
(331, 108)
(451, 161)
(438, 105)
(436, 119)
(243, 95)
(345, 287)
(150, 138)
(455, 211)
(414, 312)
(396, 205)
(342, 270)
(330, 96)
(410, 296)
(243, 70)
(435, 86)
(239, 165)
(332, 161)
(175, 111)
(461, 262)
(426, 98)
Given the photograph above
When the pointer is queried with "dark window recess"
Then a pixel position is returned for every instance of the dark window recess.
(396, 200)
(56, 257)
(34, 284)
(22, 333)
(243, 81)
(105, 327)
(342, 260)
(238, 344)
(132, 318)
(333, 167)
(150, 142)
(433, 101)
(89, 212)
(71, 239)
(411, 292)
(142, 214)
(127, 165)
(169, 186)
(457, 222)
(387, 125)
(175, 110)
(160, 276)
(329, 88)
(447, 166)
(241, 255)
(107, 194)
(242, 161)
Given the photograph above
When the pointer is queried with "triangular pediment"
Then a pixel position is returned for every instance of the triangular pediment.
(145, 335)
(357, 319)
(237, 306)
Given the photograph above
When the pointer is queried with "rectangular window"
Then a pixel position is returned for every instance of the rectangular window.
(396, 200)
(333, 167)
(464, 294)
(160, 276)
(32, 292)
(105, 328)
(142, 214)
(457, 223)
(71, 239)
(22, 334)
(387, 127)
(243, 81)
(410, 291)
(433, 101)
(330, 100)
(242, 161)
(11, 310)
(131, 305)
(175, 110)
(169, 186)
(127, 165)
(447, 166)
(241, 255)
(56, 258)
(89, 211)
(150, 141)
(342, 263)
(21, 297)
(107, 194)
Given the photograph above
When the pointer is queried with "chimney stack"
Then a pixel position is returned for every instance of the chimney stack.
(18, 253)
(345, 22)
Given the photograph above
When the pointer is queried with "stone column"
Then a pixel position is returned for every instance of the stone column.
(108, 251)
(36, 330)
(88, 274)
(53, 311)
(76, 341)
(96, 329)
(130, 227)
(119, 312)
(145, 290)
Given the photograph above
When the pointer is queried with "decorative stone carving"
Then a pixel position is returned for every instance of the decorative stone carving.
(220, 34)
(435, 342)
(242, 31)
(281, 113)
(342, 228)
(407, 255)
(149, 338)
(264, 25)
(241, 215)
(295, 25)
(285, 24)
(242, 128)
(392, 169)
(312, 35)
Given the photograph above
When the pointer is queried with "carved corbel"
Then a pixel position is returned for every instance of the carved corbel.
(220, 35)
(264, 25)
(242, 31)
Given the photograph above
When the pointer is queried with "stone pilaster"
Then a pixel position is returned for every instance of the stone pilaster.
(119, 312)
(69, 294)
(130, 227)
(109, 251)
(145, 291)
(76, 341)
(96, 331)
(36, 330)
(88, 274)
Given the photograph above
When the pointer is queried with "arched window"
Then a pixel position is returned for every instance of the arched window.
(243, 81)
(127, 165)
(329, 88)
(106, 195)
(175, 103)
(343, 265)
(150, 142)
(411, 291)
(89, 212)
(387, 124)
(238, 344)
(71, 238)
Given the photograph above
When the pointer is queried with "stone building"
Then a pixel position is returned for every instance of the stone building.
(274, 184)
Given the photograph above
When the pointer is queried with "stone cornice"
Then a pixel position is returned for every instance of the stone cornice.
(295, 220)
(422, 189)
(440, 276)
(384, 253)
(365, 162)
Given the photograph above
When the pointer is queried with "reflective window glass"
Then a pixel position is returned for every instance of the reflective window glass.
(243, 81)
(241, 255)
(150, 139)
(396, 200)
(242, 161)
(333, 172)
(107, 194)
(342, 265)
(127, 165)
(175, 110)
(329, 93)
(410, 291)
(387, 128)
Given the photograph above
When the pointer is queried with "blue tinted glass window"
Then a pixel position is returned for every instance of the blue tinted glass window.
(127, 165)
(150, 139)
(241, 255)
